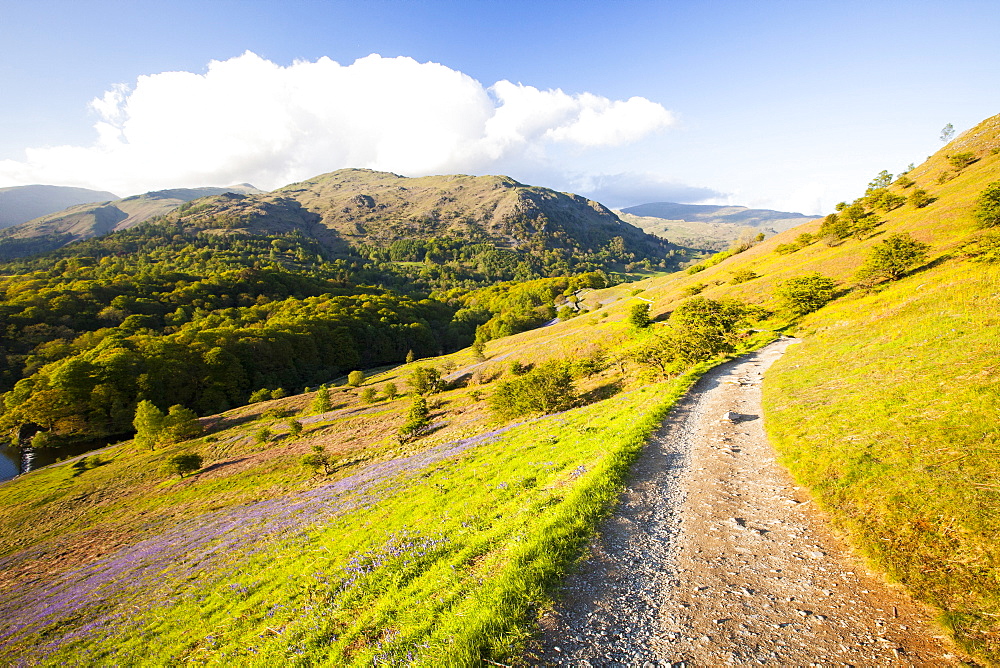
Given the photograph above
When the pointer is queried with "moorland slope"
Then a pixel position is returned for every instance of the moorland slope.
(440, 542)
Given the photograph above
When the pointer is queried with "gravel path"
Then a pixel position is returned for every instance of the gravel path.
(715, 557)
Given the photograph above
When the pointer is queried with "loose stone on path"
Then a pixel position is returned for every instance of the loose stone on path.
(714, 557)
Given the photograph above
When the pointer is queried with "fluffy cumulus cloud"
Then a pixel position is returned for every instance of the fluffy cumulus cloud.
(249, 120)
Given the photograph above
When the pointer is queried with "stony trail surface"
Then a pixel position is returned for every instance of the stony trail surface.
(714, 557)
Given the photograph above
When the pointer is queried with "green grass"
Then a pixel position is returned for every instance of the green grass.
(495, 529)
(888, 412)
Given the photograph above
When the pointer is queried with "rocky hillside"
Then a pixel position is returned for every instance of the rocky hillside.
(20, 204)
(95, 217)
(364, 207)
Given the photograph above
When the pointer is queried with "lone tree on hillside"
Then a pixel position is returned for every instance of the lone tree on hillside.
(808, 293)
(320, 402)
(892, 258)
(987, 211)
(416, 420)
(638, 316)
(547, 388)
(184, 463)
(148, 422)
(180, 424)
(355, 378)
(425, 380)
(317, 459)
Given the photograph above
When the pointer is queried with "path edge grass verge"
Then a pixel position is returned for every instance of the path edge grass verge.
(527, 583)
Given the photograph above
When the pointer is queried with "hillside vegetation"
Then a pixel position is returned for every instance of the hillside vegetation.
(888, 409)
(54, 227)
(354, 525)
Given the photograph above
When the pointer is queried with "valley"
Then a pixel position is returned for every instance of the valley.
(437, 509)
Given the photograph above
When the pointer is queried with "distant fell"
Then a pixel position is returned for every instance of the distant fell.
(19, 204)
(92, 219)
(361, 207)
(708, 226)
(719, 214)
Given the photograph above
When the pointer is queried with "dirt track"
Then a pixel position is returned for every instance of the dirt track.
(715, 557)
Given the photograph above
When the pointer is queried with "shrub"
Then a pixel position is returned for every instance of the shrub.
(279, 393)
(638, 316)
(262, 435)
(985, 247)
(919, 198)
(390, 391)
(184, 463)
(654, 351)
(416, 420)
(425, 380)
(805, 239)
(962, 160)
(805, 294)
(43, 439)
(367, 395)
(548, 388)
(743, 275)
(904, 181)
(180, 424)
(692, 290)
(263, 394)
(888, 200)
(987, 211)
(519, 369)
(834, 229)
(321, 401)
(725, 314)
(893, 257)
(785, 249)
(316, 460)
(355, 378)
(294, 428)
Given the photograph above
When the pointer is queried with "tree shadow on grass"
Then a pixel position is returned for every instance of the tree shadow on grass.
(602, 392)
(219, 465)
(933, 264)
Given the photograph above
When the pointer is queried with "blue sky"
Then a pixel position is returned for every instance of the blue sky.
(789, 105)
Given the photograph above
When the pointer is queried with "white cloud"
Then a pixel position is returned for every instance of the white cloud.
(629, 189)
(248, 119)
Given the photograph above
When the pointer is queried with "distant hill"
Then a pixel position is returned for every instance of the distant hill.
(361, 207)
(708, 226)
(19, 204)
(83, 221)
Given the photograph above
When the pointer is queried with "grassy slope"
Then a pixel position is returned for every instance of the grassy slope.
(887, 411)
(436, 551)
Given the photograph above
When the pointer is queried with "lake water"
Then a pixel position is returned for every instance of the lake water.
(13, 462)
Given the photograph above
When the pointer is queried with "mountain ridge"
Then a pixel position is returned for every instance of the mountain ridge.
(19, 204)
(92, 219)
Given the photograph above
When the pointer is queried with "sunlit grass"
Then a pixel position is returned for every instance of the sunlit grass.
(888, 411)
(436, 561)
